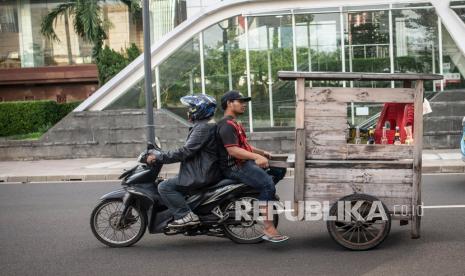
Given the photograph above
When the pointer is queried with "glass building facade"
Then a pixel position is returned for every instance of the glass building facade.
(459, 8)
(246, 52)
(22, 45)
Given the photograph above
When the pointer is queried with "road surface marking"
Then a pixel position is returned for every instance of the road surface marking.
(443, 206)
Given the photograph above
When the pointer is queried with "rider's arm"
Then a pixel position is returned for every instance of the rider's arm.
(242, 154)
(261, 152)
(197, 139)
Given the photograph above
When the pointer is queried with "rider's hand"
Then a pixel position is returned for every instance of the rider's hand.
(262, 162)
(267, 154)
(151, 159)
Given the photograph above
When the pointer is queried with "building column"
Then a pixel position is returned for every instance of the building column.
(26, 40)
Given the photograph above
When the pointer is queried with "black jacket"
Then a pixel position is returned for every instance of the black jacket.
(198, 157)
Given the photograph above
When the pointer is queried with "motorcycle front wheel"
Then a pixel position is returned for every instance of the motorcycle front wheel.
(105, 225)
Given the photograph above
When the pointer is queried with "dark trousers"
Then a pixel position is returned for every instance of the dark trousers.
(172, 198)
(262, 180)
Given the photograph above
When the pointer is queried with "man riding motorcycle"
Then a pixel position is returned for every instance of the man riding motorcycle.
(242, 162)
(198, 157)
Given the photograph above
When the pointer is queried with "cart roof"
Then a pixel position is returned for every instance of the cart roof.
(292, 75)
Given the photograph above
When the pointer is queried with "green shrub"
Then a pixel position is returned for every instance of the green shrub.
(31, 116)
(111, 62)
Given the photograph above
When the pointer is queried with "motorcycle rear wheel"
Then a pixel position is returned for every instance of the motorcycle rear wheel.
(247, 232)
(103, 222)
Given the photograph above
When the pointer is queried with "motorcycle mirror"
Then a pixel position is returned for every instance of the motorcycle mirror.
(157, 145)
(157, 142)
(150, 146)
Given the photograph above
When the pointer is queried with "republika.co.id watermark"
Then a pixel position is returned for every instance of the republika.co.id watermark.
(359, 210)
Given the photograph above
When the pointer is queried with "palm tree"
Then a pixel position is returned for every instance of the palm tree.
(88, 22)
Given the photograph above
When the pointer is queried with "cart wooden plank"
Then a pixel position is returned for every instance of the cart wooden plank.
(355, 152)
(379, 152)
(360, 164)
(326, 137)
(313, 123)
(355, 76)
(325, 109)
(378, 190)
(366, 176)
(362, 95)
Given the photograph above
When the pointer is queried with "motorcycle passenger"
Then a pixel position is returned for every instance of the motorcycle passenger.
(242, 162)
(198, 157)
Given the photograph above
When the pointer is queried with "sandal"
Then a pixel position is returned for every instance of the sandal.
(276, 238)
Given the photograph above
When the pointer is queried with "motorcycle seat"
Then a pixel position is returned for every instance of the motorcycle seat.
(223, 183)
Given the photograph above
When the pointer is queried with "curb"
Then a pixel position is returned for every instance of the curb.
(89, 177)
(114, 177)
(67, 178)
(443, 169)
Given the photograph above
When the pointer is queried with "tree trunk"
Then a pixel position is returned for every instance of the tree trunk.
(68, 39)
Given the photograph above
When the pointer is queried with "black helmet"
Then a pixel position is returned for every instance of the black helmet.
(201, 106)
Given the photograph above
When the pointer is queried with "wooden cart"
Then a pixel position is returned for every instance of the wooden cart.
(327, 168)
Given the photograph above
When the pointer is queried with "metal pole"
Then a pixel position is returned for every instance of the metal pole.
(309, 52)
(229, 56)
(247, 69)
(441, 61)
(294, 44)
(391, 44)
(230, 70)
(433, 62)
(270, 76)
(294, 49)
(157, 82)
(148, 73)
(343, 54)
(202, 65)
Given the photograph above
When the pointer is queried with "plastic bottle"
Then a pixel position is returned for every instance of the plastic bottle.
(397, 137)
(409, 139)
(357, 136)
(384, 139)
(371, 136)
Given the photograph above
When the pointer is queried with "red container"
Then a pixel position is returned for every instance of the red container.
(394, 114)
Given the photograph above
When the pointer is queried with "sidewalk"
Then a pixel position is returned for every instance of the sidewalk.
(443, 161)
(100, 169)
(90, 169)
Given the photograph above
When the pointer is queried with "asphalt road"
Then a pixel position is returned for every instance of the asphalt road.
(44, 230)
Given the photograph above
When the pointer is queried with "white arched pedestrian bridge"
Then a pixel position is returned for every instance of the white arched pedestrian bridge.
(242, 44)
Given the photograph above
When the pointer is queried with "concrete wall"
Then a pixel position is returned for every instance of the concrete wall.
(443, 127)
(119, 133)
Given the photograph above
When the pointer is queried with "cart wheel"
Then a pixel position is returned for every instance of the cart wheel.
(359, 233)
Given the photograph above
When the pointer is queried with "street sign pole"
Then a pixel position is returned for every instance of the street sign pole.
(148, 73)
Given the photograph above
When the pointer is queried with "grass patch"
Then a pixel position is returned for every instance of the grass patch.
(27, 136)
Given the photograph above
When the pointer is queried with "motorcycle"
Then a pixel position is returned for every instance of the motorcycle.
(121, 217)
